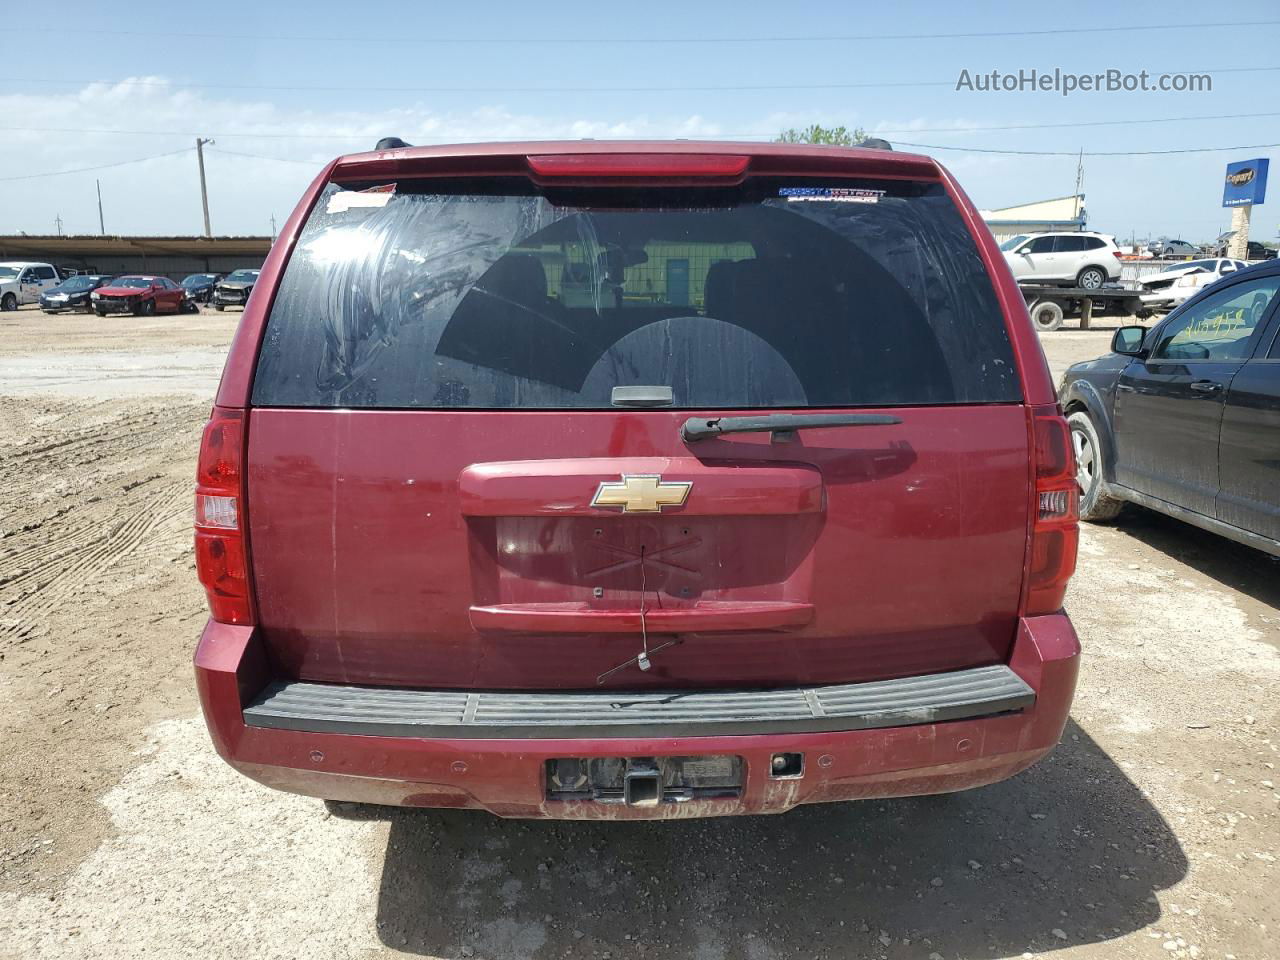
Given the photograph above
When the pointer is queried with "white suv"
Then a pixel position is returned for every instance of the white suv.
(1085, 260)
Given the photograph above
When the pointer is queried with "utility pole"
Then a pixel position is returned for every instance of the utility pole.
(204, 191)
(1079, 180)
(102, 226)
(273, 226)
(57, 222)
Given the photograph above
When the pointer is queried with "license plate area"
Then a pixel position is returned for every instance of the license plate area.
(644, 781)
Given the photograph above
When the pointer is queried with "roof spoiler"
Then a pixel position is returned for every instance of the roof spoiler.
(395, 143)
(588, 158)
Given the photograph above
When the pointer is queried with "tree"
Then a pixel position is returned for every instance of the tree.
(816, 133)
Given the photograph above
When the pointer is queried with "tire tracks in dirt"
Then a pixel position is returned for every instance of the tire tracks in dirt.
(57, 574)
(99, 608)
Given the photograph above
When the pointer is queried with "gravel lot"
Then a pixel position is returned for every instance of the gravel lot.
(1150, 832)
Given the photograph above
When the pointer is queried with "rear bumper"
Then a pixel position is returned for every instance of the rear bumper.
(506, 775)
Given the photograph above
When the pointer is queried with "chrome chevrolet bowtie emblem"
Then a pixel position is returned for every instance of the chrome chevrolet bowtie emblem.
(641, 493)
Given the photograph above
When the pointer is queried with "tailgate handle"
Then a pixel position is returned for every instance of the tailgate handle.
(720, 616)
(779, 424)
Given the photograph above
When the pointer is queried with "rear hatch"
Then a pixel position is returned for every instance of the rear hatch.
(450, 486)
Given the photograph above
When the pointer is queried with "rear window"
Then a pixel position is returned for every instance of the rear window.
(499, 294)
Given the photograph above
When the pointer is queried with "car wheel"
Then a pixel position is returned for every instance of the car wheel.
(101, 313)
(218, 307)
(146, 308)
(1091, 278)
(1046, 315)
(10, 302)
(1095, 504)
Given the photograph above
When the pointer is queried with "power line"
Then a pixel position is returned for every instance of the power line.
(717, 88)
(904, 143)
(716, 136)
(259, 156)
(453, 39)
(103, 166)
(1087, 153)
(514, 89)
(931, 146)
(183, 133)
(1079, 123)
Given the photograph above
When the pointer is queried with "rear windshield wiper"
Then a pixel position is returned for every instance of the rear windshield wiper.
(779, 424)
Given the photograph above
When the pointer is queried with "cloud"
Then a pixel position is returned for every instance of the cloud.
(162, 195)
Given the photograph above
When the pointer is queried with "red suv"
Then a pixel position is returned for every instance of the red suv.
(595, 480)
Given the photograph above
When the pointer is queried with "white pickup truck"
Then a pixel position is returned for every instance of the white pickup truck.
(22, 282)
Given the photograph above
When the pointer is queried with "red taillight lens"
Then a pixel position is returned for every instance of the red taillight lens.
(1055, 530)
(221, 566)
(221, 558)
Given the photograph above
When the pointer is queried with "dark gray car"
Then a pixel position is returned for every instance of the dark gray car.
(1184, 417)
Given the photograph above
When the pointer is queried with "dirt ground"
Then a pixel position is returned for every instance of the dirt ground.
(1152, 831)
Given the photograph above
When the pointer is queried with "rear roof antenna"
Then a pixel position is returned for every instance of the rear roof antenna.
(390, 143)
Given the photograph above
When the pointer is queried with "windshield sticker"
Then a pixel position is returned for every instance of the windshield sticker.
(345, 200)
(831, 194)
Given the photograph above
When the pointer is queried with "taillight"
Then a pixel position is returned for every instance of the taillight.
(1055, 532)
(221, 558)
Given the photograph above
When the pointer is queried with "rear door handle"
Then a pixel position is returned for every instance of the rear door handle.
(1206, 386)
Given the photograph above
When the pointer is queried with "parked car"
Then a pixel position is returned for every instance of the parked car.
(1174, 250)
(73, 293)
(1168, 288)
(23, 282)
(139, 294)
(660, 552)
(234, 289)
(1085, 260)
(1184, 418)
(199, 286)
(1254, 250)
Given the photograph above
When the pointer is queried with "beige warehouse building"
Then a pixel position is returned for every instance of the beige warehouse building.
(1040, 216)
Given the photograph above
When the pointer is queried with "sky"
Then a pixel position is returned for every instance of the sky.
(283, 87)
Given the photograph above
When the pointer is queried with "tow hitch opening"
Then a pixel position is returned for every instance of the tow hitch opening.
(644, 781)
(643, 784)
